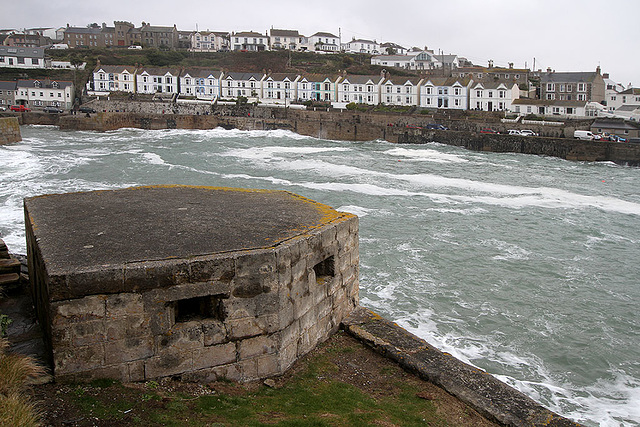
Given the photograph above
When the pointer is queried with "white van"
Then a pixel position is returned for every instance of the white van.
(584, 134)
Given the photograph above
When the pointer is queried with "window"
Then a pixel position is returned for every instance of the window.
(479, 93)
(582, 87)
(562, 88)
(551, 87)
(582, 97)
(551, 96)
(501, 93)
(456, 91)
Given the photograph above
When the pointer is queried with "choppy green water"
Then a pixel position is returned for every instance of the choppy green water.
(522, 265)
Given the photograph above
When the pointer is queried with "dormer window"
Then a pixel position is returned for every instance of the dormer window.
(37, 84)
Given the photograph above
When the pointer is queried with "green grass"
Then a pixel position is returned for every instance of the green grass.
(312, 397)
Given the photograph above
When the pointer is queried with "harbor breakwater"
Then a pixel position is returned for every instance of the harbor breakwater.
(348, 126)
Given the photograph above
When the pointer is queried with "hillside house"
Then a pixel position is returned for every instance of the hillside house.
(324, 43)
(249, 41)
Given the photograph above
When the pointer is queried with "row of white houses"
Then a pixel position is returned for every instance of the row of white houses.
(282, 88)
(459, 93)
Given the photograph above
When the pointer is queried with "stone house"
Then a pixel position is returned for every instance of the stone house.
(7, 94)
(91, 36)
(572, 86)
(126, 34)
(519, 76)
(158, 36)
(615, 127)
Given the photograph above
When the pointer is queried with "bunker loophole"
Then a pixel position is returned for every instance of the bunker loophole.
(199, 308)
(324, 270)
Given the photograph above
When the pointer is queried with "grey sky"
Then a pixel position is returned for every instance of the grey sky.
(566, 35)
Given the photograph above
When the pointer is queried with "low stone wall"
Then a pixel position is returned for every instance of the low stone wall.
(9, 130)
(483, 392)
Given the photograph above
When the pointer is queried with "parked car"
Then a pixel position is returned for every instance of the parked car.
(486, 130)
(528, 132)
(586, 135)
(86, 110)
(3, 108)
(53, 110)
(437, 126)
(514, 132)
(135, 46)
(20, 108)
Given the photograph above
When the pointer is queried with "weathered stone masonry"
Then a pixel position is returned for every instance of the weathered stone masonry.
(226, 283)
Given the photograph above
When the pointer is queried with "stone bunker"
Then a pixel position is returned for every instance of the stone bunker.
(198, 282)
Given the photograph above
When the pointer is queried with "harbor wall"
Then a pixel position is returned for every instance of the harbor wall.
(9, 130)
(347, 125)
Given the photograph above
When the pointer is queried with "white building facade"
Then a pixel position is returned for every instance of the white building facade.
(114, 78)
(360, 89)
(445, 92)
(44, 93)
(235, 85)
(489, 96)
(157, 80)
(200, 84)
(400, 91)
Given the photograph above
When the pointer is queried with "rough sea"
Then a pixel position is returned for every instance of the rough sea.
(525, 266)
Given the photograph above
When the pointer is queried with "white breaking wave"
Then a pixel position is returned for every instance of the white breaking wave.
(426, 155)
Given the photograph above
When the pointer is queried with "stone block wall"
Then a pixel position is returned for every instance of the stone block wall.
(244, 316)
(9, 130)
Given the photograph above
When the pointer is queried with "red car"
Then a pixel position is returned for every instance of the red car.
(487, 131)
(20, 108)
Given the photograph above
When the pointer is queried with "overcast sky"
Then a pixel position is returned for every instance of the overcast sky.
(565, 35)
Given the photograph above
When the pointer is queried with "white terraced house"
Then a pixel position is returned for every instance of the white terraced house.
(157, 80)
(445, 92)
(114, 78)
(279, 88)
(234, 85)
(200, 83)
(401, 91)
(360, 89)
(45, 93)
(493, 96)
